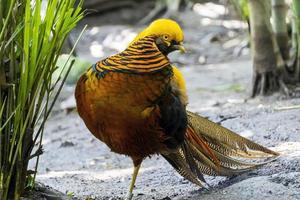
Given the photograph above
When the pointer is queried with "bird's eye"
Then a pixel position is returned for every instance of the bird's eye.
(165, 37)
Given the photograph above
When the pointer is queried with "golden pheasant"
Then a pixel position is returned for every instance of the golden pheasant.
(135, 102)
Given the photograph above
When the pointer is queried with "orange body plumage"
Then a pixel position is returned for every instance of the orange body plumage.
(121, 108)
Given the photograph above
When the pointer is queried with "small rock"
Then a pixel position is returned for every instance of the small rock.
(93, 140)
(210, 38)
(202, 60)
(286, 183)
(216, 104)
(236, 101)
(67, 144)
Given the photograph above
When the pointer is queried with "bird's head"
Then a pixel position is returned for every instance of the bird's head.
(169, 35)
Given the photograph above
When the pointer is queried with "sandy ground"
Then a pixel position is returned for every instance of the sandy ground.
(218, 86)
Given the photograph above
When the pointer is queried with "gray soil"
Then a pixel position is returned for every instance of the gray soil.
(218, 76)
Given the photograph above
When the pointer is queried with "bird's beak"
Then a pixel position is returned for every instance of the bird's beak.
(179, 47)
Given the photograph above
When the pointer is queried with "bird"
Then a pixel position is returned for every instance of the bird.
(136, 103)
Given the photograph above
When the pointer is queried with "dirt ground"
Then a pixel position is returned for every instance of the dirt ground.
(218, 72)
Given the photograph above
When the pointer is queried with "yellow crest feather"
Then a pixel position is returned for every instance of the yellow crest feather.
(162, 27)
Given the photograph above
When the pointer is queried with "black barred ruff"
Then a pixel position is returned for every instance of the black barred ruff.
(143, 56)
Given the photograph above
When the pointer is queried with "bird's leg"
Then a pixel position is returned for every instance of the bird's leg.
(134, 175)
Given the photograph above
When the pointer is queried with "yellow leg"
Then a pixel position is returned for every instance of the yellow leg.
(134, 175)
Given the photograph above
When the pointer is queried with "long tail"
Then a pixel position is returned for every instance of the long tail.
(214, 150)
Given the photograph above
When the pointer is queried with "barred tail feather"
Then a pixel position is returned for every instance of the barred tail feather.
(214, 150)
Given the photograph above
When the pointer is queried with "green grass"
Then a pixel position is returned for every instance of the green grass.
(30, 46)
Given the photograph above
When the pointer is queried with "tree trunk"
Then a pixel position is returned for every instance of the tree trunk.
(265, 77)
(296, 38)
(279, 12)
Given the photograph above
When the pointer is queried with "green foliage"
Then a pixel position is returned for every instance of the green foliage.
(242, 8)
(30, 44)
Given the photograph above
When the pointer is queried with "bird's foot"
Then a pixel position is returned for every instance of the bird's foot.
(129, 196)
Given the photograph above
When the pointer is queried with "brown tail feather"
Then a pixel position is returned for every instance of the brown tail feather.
(214, 150)
(222, 137)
